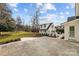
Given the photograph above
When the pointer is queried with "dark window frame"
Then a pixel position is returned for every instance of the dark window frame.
(44, 25)
(72, 31)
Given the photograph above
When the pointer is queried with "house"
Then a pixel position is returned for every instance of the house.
(71, 27)
(60, 28)
(47, 29)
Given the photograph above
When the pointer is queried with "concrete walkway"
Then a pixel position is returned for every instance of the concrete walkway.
(40, 46)
(28, 38)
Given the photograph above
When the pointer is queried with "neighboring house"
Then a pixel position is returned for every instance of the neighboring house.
(60, 28)
(48, 29)
(71, 27)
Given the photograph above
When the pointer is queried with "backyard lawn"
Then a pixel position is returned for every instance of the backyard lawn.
(7, 37)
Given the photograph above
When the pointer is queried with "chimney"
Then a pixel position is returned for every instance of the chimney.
(76, 13)
(77, 9)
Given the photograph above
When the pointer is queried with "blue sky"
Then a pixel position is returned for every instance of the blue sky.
(49, 12)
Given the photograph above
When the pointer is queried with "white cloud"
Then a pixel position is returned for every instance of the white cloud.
(51, 15)
(31, 4)
(62, 17)
(43, 11)
(52, 18)
(48, 16)
(39, 5)
(61, 13)
(67, 7)
(48, 19)
(64, 13)
(67, 13)
(15, 9)
(13, 5)
(49, 6)
(45, 7)
(72, 5)
(26, 10)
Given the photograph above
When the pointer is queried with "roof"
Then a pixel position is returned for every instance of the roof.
(47, 27)
(72, 18)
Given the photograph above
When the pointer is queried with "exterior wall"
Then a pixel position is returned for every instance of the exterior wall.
(44, 27)
(74, 23)
(42, 32)
(52, 30)
(77, 30)
(77, 9)
(49, 31)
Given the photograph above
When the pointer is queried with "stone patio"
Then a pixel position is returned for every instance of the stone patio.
(40, 46)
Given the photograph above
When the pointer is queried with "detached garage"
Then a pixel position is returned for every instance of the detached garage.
(72, 30)
(71, 27)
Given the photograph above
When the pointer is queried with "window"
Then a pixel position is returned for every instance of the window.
(41, 26)
(72, 31)
(52, 26)
(44, 25)
(52, 31)
(45, 31)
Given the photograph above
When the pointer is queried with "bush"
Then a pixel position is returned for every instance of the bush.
(15, 36)
(6, 27)
(60, 31)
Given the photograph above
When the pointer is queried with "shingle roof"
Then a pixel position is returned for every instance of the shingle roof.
(72, 18)
(47, 27)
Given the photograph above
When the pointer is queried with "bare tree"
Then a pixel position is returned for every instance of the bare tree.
(18, 23)
(35, 22)
(5, 12)
(18, 20)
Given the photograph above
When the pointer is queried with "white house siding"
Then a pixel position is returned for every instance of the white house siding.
(74, 23)
(42, 32)
(51, 31)
(44, 27)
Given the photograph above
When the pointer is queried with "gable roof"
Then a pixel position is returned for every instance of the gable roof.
(47, 27)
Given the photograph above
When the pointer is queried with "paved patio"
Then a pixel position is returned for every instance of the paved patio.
(40, 46)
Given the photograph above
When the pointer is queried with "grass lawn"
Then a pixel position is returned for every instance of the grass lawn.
(14, 36)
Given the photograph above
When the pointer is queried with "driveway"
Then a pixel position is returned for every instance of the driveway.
(40, 46)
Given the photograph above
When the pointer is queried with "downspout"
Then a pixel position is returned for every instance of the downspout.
(75, 10)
